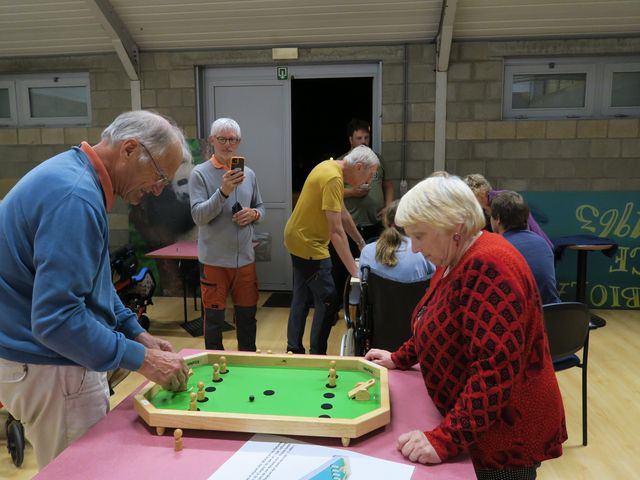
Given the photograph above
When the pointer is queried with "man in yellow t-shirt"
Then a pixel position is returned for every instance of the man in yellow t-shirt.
(320, 217)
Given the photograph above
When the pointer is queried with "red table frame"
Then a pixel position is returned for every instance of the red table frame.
(184, 250)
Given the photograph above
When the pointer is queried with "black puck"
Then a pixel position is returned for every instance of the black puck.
(251, 398)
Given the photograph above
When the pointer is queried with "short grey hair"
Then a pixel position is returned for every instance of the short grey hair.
(222, 124)
(442, 202)
(153, 130)
(362, 154)
(186, 152)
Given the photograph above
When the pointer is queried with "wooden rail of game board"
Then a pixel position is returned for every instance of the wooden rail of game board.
(345, 429)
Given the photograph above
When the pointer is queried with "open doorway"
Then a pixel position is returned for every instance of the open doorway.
(321, 108)
(324, 99)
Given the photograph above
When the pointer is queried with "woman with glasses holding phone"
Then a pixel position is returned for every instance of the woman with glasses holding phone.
(225, 203)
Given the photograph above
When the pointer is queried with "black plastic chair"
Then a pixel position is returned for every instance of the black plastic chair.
(567, 326)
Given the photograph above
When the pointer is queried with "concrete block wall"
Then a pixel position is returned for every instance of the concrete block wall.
(537, 155)
(600, 154)
(21, 149)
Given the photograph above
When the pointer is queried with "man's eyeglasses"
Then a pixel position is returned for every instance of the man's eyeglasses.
(164, 180)
(229, 140)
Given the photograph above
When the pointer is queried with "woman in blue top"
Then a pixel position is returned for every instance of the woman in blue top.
(391, 257)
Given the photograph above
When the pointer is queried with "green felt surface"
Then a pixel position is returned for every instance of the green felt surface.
(298, 392)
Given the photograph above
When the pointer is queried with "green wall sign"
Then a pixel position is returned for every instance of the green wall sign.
(282, 73)
(612, 282)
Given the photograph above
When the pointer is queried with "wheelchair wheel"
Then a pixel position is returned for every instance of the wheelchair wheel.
(347, 344)
(15, 440)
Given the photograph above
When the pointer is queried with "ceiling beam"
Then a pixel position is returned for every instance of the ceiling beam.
(443, 52)
(445, 34)
(123, 43)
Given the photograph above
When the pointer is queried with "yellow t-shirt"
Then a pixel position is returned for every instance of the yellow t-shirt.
(306, 234)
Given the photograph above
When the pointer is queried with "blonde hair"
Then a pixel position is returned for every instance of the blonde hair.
(478, 184)
(390, 239)
(443, 202)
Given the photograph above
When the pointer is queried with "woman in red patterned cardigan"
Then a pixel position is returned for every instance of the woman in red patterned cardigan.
(479, 339)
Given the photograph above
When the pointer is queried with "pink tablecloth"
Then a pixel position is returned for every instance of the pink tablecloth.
(184, 250)
(122, 447)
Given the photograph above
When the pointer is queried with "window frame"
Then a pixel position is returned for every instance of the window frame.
(599, 80)
(21, 104)
(12, 121)
(546, 67)
(52, 81)
(607, 84)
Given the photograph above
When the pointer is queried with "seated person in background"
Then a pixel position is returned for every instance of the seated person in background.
(509, 214)
(485, 194)
(391, 257)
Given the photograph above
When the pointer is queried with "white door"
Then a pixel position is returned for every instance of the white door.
(261, 104)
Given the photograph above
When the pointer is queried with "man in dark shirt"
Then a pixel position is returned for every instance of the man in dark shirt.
(509, 214)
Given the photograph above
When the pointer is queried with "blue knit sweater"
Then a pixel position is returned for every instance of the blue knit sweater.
(57, 301)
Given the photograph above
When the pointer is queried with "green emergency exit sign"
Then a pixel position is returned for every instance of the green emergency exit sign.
(282, 73)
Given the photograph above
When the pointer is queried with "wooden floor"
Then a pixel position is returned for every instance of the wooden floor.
(614, 391)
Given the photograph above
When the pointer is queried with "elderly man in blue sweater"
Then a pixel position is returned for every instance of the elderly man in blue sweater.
(62, 325)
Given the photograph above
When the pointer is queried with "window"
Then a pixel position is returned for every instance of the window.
(622, 85)
(571, 87)
(45, 100)
(7, 103)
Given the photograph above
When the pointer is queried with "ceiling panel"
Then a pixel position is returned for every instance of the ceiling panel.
(482, 19)
(43, 27)
(244, 23)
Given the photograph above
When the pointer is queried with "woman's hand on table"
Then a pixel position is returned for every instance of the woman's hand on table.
(416, 447)
(380, 357)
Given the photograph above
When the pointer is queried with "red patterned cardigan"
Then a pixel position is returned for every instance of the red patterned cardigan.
(478, 335)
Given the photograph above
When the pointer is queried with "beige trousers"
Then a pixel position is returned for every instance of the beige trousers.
(56, 404)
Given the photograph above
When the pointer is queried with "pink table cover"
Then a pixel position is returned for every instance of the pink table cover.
(121, 446)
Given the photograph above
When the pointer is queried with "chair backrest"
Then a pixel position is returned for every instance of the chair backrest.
(567, 326)
(390, 304)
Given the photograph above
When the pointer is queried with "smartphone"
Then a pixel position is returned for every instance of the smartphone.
(237, 163)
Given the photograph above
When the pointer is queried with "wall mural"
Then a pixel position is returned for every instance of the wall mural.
(160, 221)
(612, 282)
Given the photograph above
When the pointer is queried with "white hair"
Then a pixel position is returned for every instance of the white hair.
(223, 124)
(362, 154)
(443, 202)
(151, 129)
